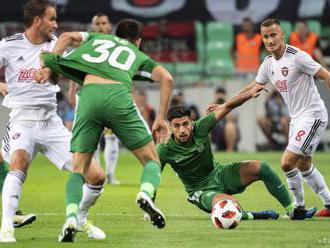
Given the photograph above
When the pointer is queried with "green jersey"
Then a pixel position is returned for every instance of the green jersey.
(193, 162)
(103, 55)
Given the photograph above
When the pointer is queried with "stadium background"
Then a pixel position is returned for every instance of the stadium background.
(43, 193)
(198, 35)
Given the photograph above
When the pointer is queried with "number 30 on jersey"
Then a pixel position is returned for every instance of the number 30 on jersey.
(102, 46)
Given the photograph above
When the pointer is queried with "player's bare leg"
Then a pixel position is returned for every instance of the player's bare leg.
(150, 180)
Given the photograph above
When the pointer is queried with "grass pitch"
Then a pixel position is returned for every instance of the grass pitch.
(187, 226)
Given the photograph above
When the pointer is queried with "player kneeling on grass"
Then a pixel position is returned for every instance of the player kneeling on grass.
(188, 151)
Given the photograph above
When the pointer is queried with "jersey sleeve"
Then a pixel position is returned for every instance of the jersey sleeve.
(306, 64)
(205, 124)
(262, 76)
(86, 36)
(146, 67)
(161, 154)
(3, 52)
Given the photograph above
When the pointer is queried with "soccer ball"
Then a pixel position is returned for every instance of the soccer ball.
(226, 214)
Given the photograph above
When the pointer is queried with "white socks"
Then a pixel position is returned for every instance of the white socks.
(11, 194)
(111, 151)
(316, 181)
(295, 183)
(90, 194)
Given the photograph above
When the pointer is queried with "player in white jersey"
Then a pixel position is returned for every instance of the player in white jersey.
(34, 125)
(292, 72)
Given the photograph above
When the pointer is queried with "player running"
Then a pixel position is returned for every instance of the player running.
(104, 65)
(34, 125)
(292, 72)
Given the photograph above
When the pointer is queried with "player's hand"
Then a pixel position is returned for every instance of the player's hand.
(256, 90)
(42, 75)
(160, 131)
(3, 89)
(212, 107)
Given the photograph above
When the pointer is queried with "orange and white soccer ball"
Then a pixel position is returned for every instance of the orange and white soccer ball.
(226, 214)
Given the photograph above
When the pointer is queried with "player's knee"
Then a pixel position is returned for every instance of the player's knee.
(249, 171)
(19, 161)
(286, 166)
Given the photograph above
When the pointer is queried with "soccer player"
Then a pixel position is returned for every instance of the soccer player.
(102, 24)
(292, 72)
(188, 151)
(34, 125)
(105, 64)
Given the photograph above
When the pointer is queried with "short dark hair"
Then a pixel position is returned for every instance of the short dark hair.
(99, 14)
(247, 19)
(35, 8)
(178, 112)
(129, 29)
(220, 90)
(269, 22)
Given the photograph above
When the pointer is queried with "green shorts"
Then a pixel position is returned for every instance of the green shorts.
(225, 179)
(111, 106)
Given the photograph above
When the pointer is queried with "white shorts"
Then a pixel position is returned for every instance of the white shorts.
(49, 137)
(305, 134)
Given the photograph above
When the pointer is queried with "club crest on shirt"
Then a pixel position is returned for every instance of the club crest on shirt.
(285, 71)
(16, 136)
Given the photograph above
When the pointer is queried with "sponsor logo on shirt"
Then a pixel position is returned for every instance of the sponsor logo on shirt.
(26, 74)
(16, 136)
(281, 85)
(285, 71)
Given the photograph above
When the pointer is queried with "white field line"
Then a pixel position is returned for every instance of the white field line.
(119, 214)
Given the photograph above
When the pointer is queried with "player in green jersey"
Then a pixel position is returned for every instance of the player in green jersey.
(188, 151)
(104, 65)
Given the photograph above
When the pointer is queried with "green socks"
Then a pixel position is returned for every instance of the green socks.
(73, 194)
(275, 186)
(3, 173)
(246, 215)
(150, 178)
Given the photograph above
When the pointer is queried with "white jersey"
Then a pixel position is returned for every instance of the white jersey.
(292, 75)
(29, 100)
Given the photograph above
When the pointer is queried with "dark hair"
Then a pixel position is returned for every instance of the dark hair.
(129, 29)
(178, 112)
(35, 8)
(247, 19)
(99, 14)
(220, 90)
(269, 22)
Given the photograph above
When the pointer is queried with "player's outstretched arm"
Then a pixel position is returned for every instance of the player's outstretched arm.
(161, 75)
(323, 74)
(221, 110)
(248, 87)
(3, 89)
(67, 39)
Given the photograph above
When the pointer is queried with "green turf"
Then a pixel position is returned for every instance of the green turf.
(122, 221)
